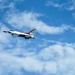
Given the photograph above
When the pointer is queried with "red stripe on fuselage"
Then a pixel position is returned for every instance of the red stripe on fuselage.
(27, 33)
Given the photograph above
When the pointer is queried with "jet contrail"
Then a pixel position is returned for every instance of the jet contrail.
(51, 41)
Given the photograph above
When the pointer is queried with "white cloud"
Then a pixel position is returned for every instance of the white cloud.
(73, 15)
(5, 4)
(50, 67)
(32, 64)
(9, 4)
(68, 5)
(50, 3)
(30, 20)
(61, 60)
(8, 65)
(57, 51)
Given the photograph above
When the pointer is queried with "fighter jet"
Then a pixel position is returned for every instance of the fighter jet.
(26, 35)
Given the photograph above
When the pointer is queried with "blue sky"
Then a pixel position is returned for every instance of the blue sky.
(52, 52)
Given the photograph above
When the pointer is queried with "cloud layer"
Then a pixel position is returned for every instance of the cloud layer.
(68, 5)
(55, 59)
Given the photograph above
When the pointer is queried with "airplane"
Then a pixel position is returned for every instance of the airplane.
(26, 35)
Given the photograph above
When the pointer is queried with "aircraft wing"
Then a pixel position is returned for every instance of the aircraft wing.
(23, 35)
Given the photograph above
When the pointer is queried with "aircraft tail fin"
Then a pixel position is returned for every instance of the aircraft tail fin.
(32, 31)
